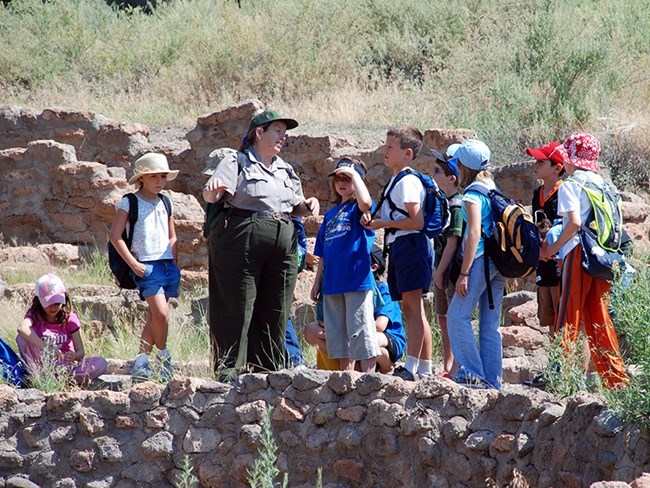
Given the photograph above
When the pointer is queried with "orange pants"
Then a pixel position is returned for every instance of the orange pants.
(584, 297)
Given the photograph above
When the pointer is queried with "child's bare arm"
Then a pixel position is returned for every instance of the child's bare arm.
(172, 237)
(79, 352)
(415, 220)
(318, 280)
(26, 332)
(448, 254)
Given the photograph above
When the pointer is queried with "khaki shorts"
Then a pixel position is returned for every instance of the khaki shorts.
(442, 298)
(547, 298)
(350, 326)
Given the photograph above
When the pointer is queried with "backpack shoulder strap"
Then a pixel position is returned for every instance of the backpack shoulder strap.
(133, 217)
(385, 194)
(167, 202)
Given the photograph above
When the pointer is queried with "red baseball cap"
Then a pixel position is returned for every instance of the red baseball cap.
(553, 151)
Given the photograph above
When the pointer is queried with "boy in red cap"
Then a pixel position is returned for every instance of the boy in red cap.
(583, 297)
(548, 167)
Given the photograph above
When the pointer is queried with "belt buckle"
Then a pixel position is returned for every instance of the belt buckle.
(277, 216)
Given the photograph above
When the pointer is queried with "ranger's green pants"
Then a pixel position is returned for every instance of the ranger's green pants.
(252, 277)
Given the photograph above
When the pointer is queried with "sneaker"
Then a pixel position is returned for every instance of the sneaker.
(164, 368)
(141, 371)
(538, 381)
(475, 383)
(405, 374)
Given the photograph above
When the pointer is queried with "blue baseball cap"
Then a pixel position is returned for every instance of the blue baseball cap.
(346, 163)
(447, 158)
(473, 154)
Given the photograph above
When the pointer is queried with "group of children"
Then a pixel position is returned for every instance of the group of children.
(359, 323)
(456, 264)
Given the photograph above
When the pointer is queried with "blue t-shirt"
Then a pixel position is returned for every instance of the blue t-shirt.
(395, 328)
(487, 219)
(344, 245)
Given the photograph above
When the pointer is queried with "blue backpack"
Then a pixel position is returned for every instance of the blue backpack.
(435, 209)
(13, 369)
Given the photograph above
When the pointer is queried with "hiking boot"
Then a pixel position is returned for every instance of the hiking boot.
(405, 374)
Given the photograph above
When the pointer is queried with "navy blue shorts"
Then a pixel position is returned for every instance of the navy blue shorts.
(410, 264)
(160, 277)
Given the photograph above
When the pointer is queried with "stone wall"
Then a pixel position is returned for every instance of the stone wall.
(363, 430)
(62, 172)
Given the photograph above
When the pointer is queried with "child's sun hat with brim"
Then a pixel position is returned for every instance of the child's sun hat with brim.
(151, 163)
(583, 150)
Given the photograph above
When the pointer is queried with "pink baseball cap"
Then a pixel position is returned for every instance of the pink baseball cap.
(583, 149)
(50, 290)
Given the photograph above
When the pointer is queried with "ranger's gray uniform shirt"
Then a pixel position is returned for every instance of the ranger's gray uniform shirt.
(258, 188)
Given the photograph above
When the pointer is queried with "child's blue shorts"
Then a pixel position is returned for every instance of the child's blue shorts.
(410, 264)
(160, 277)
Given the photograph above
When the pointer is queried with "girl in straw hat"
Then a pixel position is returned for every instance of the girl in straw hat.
(152, 258)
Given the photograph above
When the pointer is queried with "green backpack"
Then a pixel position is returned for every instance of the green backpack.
(606, 219)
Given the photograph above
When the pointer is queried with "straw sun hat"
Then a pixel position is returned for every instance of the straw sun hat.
(151, 163)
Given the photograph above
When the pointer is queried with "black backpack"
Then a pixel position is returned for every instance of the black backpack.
(116, 263)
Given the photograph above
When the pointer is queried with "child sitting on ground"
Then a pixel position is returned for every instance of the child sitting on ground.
(390, 334)
(52, 327)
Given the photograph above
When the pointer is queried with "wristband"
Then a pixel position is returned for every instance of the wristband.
(463, 274)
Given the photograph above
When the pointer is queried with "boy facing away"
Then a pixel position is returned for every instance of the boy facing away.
(410, 253)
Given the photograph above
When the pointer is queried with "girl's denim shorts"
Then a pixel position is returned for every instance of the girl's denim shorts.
(160, 277)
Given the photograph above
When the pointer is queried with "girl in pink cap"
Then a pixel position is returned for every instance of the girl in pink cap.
(51, 326)
(582, 296)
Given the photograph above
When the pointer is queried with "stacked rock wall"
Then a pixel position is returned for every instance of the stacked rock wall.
(362, 430)
(62, 172)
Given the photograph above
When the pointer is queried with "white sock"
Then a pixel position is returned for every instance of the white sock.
(425, 367)
(411, 364)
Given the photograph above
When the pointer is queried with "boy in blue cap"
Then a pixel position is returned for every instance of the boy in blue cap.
(447, 177)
